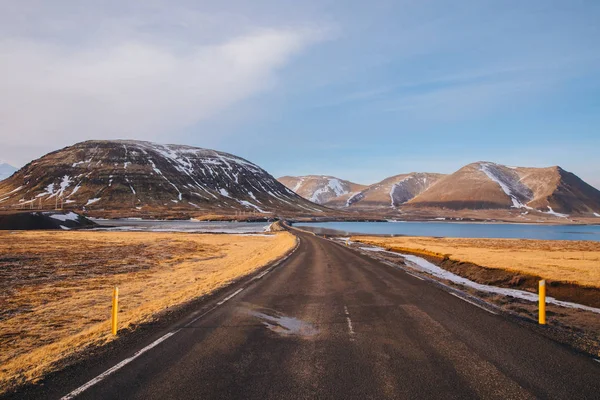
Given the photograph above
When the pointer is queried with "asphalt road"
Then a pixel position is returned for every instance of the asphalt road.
(332, 323)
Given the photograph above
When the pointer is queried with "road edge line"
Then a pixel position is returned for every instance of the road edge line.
(473, 303)
(117, 367)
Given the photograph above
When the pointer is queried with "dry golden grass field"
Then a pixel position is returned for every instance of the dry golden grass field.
(56, 287)
(575, 262)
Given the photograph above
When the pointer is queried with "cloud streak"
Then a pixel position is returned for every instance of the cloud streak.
(52, 93)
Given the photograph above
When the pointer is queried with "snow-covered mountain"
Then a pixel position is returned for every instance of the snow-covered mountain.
(390, 192)
(6, 170)
(486, 185)
(319, 188)
(142, 175)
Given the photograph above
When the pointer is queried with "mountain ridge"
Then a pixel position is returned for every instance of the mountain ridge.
(6, 170)
(129, 174)
(479, 186)
(390, 192)
(487, 185)
(319, 188)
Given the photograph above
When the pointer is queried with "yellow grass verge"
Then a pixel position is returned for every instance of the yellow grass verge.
(55, 287)
(567, 261)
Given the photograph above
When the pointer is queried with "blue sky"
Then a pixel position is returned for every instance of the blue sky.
(359, 90)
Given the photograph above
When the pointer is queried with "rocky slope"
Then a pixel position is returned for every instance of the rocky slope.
(147, 176)
(6, 170)
(391, 192)
(319, 188)
(485, 185)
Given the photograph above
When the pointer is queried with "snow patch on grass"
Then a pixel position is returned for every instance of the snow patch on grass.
(426, 266)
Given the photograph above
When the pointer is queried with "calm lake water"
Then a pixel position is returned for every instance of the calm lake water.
(181, 226)
(463, 230)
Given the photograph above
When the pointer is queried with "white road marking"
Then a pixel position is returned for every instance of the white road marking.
(263, 274)
(595, 359)
(117, 367)
(415, 276)
(349, 321)
(230, 296)
(471, 302)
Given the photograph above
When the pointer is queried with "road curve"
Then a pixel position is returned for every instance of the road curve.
(331, 323)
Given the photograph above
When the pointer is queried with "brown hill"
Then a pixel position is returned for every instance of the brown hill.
(127, 174)
(390, 192)
(485, 185)
(320, 188)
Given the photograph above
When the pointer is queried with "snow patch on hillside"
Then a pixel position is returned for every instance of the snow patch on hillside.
(556, 214)
(92, 201)
(298, 185)
(509, 184)
(333, 186)
(395, 186)
(354, 198)
(257, 208)
(50, 189)
(336, 186)
(15, 190)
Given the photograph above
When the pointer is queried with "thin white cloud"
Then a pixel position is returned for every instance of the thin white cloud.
(53, 93)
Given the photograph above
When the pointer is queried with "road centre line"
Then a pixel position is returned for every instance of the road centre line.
(349, 321)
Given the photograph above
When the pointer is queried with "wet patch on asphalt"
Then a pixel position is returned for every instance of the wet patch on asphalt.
(282, 324)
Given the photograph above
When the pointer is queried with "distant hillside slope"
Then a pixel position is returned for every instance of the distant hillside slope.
(6, 170)
(390, 192)
(319, 188)
(486, 185)
(128, 174)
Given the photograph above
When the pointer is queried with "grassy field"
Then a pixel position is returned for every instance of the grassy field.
(575, 262)
(55, 287)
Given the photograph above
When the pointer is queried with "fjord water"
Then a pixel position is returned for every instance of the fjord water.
(461, 230)
(181, 226)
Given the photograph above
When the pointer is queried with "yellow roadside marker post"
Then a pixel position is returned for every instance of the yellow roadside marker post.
(542, 303)
(115, 310)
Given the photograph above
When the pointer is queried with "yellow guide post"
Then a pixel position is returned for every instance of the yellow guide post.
(115, 310)
(542, 303)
